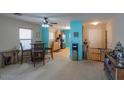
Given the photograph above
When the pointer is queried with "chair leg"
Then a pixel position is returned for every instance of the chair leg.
(17, 57)
(34, 63)
(43, 56)
(32, 59)
(22, 58)
(52, 54)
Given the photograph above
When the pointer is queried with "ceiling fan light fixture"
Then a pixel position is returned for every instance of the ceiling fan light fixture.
(45, 25)
(45, 20)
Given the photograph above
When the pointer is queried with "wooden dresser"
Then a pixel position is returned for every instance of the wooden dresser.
(113, 72)
(9, 57)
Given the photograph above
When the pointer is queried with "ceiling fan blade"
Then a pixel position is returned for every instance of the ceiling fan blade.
(50, 25)
(55, 15)
(44, 20)
(55, 23)
(28, 15)
(48, 15)
(18, 14)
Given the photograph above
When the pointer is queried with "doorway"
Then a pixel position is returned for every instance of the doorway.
(55, 40)
(97, 40)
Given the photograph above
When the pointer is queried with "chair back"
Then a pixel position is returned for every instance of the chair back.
(38, 41)
(38, 46)
(21, 46)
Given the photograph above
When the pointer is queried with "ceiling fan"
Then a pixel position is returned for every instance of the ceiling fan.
(44, 20)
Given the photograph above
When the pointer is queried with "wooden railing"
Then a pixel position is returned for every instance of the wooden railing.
(96, 54)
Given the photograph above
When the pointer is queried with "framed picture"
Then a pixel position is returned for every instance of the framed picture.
(76, 34)
(37, 34)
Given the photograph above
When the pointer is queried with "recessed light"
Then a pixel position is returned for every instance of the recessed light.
(95, 23)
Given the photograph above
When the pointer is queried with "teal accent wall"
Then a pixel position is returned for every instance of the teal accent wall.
(44, 34)
(67, 34)
(76, 26)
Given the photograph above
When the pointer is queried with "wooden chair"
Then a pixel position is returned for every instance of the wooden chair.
(49, 51)
(24, 53)
(38, 53)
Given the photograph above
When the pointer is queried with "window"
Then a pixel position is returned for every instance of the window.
(51, 36)
(25, 38)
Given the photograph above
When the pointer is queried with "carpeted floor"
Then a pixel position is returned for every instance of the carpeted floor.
(61, 68)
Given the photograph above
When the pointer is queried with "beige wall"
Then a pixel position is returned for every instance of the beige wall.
(55, 30)
(109, 29)
(57, 33)
(85, 33)
(9, 32)
(95, 35)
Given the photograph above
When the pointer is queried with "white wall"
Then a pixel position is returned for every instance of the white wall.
(56, 31)
(9, 32)
(53, 30)
(116, 30)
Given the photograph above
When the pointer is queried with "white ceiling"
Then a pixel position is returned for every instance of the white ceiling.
(63, 19)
